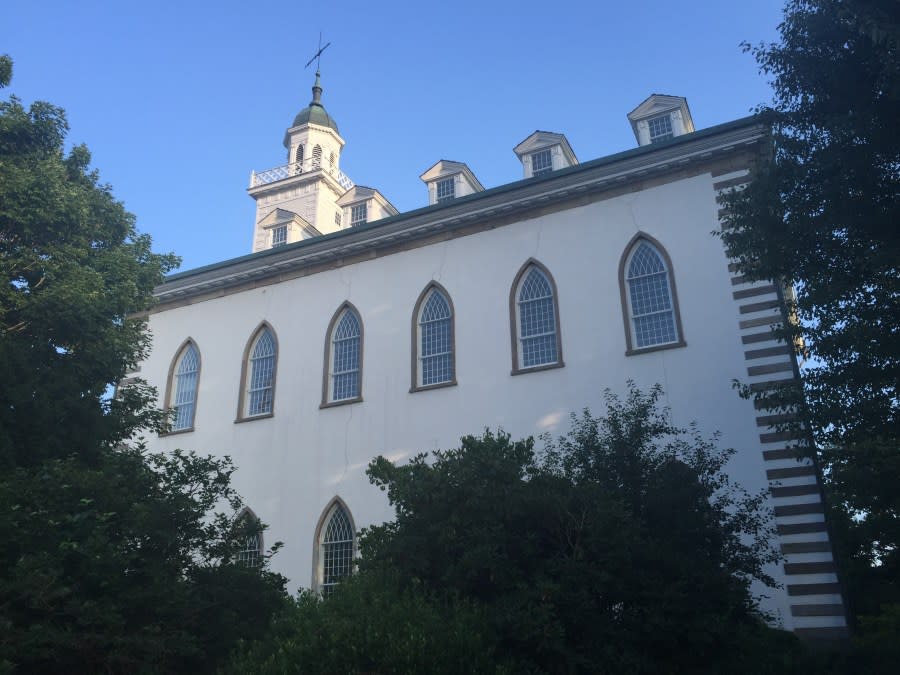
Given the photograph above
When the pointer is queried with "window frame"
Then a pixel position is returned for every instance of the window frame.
(543, 171)
(243, 397)
(278, 241)
(172, 386)
(438, 198)
(364, 206)
(416, 340)
(669, 133)
(327, 386)
(247, 513)
(515, 323)
(321, 527)
(625, 296)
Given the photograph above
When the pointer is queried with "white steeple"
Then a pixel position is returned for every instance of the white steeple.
(308, 185)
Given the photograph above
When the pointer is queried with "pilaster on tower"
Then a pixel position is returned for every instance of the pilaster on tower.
(308, 185)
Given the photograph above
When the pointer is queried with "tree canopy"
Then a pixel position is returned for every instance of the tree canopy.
(620, 547)
(113, 559)
(822, 216)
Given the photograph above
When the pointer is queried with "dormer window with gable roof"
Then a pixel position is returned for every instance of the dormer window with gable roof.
(279, 235)
(544, 152)
(659, 118)
(447, 180)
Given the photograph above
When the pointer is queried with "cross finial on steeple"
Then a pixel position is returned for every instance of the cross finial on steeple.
(318, 55)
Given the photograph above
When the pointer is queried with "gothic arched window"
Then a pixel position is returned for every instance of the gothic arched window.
(534, 318)
(183, 382)
(335, 544)
(258, 374)
(248, 529)
(317, 157)
(434, 357)
(343, 357)
(649, 302)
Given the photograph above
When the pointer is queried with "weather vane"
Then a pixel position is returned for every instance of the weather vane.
(318, 55)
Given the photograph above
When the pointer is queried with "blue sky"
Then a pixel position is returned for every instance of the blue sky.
(179, 101)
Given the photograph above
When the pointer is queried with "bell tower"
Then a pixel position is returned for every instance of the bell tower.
(299, 199)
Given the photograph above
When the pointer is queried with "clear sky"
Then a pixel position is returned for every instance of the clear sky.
(178, 101)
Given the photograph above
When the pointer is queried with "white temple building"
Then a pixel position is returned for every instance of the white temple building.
(352, 330)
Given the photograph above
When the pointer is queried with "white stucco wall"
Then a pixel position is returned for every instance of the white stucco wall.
(292, 464)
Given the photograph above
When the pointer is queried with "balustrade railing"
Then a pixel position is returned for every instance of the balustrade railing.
(277, 173)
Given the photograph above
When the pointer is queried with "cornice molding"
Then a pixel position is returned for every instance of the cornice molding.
(573, 182)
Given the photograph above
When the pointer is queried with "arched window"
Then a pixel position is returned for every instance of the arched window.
(298, 160)
(649, 302)
(534, 317)
(317, 157)
(258, 374)
(335, 543)
(248, 528)
(433, 348)
(343, 357)
(331, 160)
(184, 379)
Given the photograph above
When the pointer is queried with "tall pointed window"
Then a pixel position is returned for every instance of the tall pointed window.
(258, 375)
(535, 318)
(317, 157)
(343, 373)
(335, 544)
(650, 306)
(248, 528)
(433, 339)
(184, 378)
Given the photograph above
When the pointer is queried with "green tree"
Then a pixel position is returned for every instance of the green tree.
(373, 624)
(621, 548)
(113, 560)
(822, 215)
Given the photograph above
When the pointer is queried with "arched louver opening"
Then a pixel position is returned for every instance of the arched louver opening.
(298, 160)
(317, 157)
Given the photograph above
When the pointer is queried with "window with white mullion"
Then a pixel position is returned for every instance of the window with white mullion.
(262, 371)
(345, 358)
(537, 321)
(650, 298)
(435, 341)
(541, 162)
(186, 380)
(336, 550)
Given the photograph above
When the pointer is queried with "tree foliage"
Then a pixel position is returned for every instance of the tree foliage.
(113, 560)
(822, 215)
(372, 624)
(621, 548)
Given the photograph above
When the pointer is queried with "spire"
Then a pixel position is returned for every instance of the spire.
(317, 91)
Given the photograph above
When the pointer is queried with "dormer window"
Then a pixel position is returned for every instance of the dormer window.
(359, 214)
(447, 180)
(279, 236)
(660, 128)
(544, 152)
(659, 118)
(445, 190)
(541, 162)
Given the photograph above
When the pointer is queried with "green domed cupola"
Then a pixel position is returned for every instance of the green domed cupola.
(314, 113)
